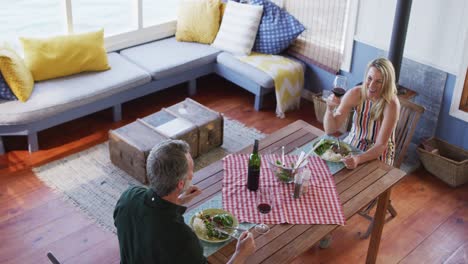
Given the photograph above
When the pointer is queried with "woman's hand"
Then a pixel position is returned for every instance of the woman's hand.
(351, 162)
(332, 102)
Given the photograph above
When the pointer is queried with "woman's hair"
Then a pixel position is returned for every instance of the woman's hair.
(167, 164)
(385, 67)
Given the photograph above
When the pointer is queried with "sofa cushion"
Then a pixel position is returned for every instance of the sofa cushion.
(238, 28)
(277, 30)
(169, 57)
(60, 56)
(16, 74)
(5, 91)
(248, 71)
(58, 95)
(193, 29)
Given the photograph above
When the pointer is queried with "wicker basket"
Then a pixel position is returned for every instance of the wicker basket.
(320, 106)
(445, 161)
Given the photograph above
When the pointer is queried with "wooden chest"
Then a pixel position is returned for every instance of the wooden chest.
(130, 145)
(210, 123)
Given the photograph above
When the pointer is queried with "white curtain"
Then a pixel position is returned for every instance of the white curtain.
(322, 43)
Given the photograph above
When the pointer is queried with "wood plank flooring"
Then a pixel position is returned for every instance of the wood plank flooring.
(431, 226)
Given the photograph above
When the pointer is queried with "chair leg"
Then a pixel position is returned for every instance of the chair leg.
(365, 213)
(391, 209)
(369, 230)
(369, 207)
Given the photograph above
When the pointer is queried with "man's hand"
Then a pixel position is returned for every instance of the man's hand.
(189, 194)
(244, 248)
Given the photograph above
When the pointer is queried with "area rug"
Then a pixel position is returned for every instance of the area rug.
(92, 183)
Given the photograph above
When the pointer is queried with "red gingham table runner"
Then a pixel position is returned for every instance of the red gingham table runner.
(320, 205)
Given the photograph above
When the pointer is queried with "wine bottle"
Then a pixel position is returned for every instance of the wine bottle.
(253, 174)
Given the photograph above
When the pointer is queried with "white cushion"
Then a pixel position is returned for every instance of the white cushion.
(238, 28)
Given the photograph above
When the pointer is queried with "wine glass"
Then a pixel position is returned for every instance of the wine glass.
(339, 85)
(339, 89)
(264, 205)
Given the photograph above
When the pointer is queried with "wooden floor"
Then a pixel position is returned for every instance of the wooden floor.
(431, 226)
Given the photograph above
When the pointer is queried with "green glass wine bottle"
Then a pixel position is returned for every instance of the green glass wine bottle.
(253, 174)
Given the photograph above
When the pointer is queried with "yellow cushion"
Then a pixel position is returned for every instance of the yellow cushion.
(198, 20)
(65, 55)
(16, 74)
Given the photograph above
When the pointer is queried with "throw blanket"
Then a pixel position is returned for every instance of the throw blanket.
(288, 75)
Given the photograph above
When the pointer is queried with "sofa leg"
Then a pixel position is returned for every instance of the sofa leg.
(33, 144)
(2, 147)
(192, 87)
(117, 112)
(258, 102)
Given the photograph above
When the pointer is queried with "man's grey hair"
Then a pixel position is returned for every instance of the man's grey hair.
(166, 165)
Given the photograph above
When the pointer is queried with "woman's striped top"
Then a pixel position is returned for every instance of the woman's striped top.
(364, 132)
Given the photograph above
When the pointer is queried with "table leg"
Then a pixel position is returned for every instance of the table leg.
(379, 219)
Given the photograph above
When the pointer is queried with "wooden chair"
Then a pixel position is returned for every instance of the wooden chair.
(409, 118)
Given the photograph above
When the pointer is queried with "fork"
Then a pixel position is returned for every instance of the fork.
(339, 147)
(224, 232)
(227, 227)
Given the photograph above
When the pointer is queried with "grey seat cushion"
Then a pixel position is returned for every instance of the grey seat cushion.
(168, 57)
(57, 95)
(247, 70)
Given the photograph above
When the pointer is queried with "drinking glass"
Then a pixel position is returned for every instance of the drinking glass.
(339, 85)
(264, 205)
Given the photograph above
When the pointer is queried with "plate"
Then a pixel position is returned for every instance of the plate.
(213, 211)
(329, 142)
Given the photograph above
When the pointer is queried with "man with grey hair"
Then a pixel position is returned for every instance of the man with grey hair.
(149, 221)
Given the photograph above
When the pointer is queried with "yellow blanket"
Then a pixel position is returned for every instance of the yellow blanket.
(288, 75)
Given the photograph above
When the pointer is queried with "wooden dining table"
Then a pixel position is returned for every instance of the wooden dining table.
(284, 242)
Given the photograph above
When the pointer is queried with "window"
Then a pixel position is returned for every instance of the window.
(158, 11)
(114, 16)
(324, 42)
(125, 22)
(30, 18)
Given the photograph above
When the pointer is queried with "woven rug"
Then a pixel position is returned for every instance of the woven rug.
(92, 183)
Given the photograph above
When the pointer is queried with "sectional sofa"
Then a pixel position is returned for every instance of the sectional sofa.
(135, 72)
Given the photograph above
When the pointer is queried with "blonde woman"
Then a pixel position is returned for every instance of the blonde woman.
(376, 110)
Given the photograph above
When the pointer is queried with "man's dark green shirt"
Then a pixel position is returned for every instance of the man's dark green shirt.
(152, 230)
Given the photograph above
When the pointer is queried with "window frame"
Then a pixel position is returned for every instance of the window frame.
(349, 35)
(129, 38)
(455, 110)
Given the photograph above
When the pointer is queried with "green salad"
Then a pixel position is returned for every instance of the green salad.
(328, 150)
(326, 145)
(212, 221)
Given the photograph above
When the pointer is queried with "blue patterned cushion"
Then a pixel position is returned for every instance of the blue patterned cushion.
(277, 30)
(5, 91)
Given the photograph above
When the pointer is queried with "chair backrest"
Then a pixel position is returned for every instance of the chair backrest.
(409, 118)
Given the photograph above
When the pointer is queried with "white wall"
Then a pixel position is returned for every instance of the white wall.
(436, 30)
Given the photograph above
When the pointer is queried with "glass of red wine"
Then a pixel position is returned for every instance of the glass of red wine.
(264, 205)
(339, 85)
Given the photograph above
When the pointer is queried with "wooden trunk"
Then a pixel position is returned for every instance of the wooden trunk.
(174, 127)
(210, 123)
(129, 147)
